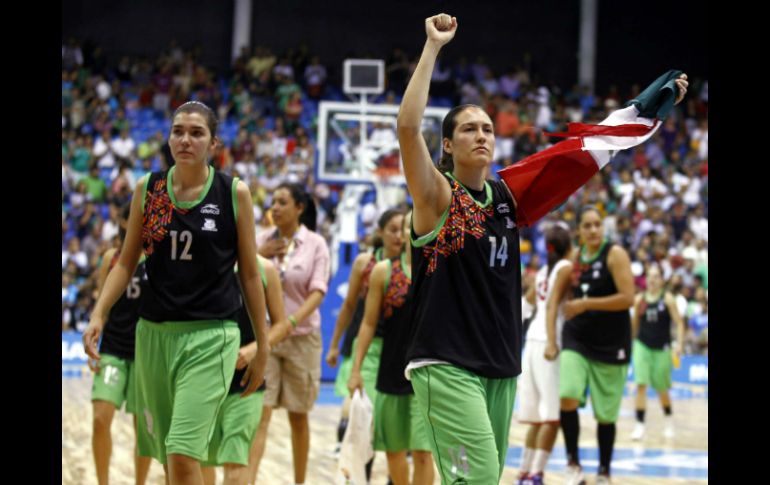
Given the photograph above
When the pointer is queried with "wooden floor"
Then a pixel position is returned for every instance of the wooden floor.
(691, 418)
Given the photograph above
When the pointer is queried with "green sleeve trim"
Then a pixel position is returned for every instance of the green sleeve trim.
(423, 240)
(188, 204)
(235, 197)
(144, 189)
(387, 278)
(407, 269)
(262, 272)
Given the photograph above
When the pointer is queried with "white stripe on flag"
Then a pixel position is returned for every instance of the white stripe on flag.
(603, 148)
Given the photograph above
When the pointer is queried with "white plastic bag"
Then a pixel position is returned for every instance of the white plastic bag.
(356, 449)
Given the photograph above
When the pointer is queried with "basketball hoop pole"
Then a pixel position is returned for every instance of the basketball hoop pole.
(363, 133)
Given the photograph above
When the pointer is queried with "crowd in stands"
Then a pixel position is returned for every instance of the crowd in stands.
(116, 114)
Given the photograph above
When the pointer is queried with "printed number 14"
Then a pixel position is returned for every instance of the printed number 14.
(494, 254)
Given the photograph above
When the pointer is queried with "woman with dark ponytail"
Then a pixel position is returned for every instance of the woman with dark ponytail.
(293, 372)
(539, 381)
(387, 242)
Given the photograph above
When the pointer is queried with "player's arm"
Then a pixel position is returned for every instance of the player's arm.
(369, 322)
(348, 306)
(429, 189)
(636, 318)
(119, 277)
(619, 265)
(558, 292)
(251, 287)
(104, 269)
(280, 327)
(673, 310)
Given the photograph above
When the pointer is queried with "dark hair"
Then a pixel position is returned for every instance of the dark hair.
(308, 218)
(381, 223)
(446, 162)
(201, 109)
(558, 243)
(588, 208)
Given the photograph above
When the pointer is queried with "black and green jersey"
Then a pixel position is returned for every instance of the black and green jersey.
(191, 248)
(358, 314)
(654, 323)
(467, 285)
(598, 335)
(395, 316)
(247, 333)
(118, 337)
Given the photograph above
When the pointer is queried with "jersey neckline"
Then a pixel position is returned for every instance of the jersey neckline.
(188, 204)
(487, 189)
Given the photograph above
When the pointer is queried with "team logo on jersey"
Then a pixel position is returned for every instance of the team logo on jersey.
(209, 225)
(596, 274)
(212, 209)
(509, 224)
(621, 354)
(503, 208)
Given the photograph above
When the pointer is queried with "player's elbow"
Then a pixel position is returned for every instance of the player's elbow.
(406, 127)
(627, 301)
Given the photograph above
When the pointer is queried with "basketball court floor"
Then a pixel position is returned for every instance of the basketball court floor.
(655, 460)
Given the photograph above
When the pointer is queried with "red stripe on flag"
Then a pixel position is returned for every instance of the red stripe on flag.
(582, 129)
(543, 181)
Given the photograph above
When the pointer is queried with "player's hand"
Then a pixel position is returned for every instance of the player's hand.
(441, 28)
(93, 364)
(551, 351)
(331, 357)
(681, 84)
(273, 247)
(573, 308)
(255, 372)
(355, 382)
(245, 355)
(91, 337)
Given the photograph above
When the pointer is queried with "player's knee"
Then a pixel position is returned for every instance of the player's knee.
(568, 404)
(298, 419)
(235, 473)
(422, 458)
(102, 418)
(181, 467)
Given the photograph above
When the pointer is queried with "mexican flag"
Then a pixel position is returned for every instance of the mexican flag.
(543, 181)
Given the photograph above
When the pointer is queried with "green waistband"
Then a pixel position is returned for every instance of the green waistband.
(188, 326)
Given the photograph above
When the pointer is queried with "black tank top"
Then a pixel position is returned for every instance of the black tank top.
(191, 249)
(467, 285)
(358, 314)
(654, 323)
(247, 334)
(598, 335)
(395, 316)
(120, 330)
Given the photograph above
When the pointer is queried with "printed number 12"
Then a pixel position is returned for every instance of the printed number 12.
(502, 254)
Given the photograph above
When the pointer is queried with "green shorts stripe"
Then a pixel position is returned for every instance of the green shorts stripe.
(605, 383)
(183, 374)
(652, 367)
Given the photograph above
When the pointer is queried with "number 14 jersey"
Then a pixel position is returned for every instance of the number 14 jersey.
(467, 285)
